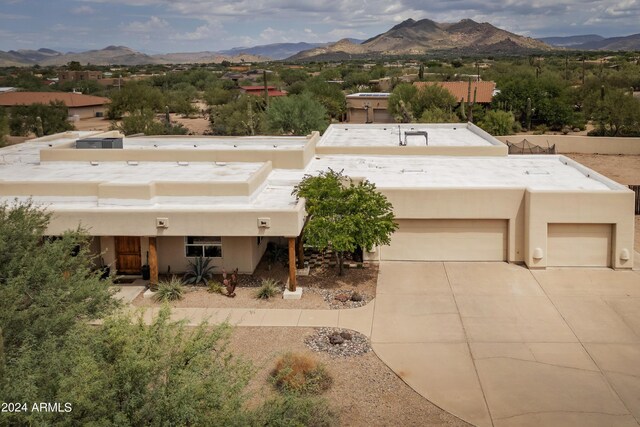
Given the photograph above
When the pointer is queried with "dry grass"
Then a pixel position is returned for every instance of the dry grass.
(300, 373)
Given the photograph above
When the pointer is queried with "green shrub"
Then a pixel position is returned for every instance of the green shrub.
(293, 410)
(215, 287)
(169, 291)
(269, 289)
(300, 373)
(498, 123)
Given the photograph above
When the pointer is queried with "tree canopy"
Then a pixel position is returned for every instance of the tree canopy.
(122, 371)
(296, 115)
(344, 215)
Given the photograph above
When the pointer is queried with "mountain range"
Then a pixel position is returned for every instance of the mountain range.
(595, 42)
(410, 37)
(424, 36)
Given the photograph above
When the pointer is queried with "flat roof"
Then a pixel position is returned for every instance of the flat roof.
(216, 143)
(390, 135)
(534, 172)
(132, 173)
(21, 164)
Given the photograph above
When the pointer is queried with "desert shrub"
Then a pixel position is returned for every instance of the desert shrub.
(498, 122)
(215, 287)
(300, 373)
(293, 410)
(169, 291)
(268, 289)
(199, 271)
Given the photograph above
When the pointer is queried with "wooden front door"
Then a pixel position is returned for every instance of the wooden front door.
(128, 259)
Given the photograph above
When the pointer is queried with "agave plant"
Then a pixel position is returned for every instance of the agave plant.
(199, 272)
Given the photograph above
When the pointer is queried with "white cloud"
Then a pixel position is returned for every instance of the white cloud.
(83, 10)
(154, 24)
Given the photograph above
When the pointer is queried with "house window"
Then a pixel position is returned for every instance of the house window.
(203, 246)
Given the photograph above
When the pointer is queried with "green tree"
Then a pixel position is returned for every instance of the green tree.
(147, 124)
(4, 126)
(617, 114)
(438, 115)
(498, 122)
(242, 116)
(330, 95)
(53, 118)
(135, 97)
(401, 101)
(121, 372)
(296, 115)
(290, 76)
(218, 96)
(344, 215)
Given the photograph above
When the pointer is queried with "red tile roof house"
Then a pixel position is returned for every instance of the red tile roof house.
(259, 91)
(83, 106)
(460, 90)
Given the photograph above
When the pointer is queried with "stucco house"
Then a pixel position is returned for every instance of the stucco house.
(82, 106)
(457, 196)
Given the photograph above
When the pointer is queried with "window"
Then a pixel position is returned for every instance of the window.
(203, 246)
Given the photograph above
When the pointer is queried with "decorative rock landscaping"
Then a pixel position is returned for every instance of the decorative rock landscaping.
(343, 298)
(338, 342)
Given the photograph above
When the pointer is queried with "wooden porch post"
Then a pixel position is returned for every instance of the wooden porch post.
(153, 261)
(300, 249)
(292, 264)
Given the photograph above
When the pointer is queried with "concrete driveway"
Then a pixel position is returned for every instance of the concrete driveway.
(498, 344)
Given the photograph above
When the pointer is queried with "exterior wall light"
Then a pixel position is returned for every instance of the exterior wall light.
(624, 255)
(537, 253)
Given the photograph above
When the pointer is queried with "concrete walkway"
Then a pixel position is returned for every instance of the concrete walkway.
(497, 344)
(358, 319)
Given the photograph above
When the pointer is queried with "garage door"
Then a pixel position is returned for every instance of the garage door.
(448, 240)
(579, 245)
(357, 116)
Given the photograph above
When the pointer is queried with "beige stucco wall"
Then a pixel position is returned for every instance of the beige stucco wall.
(581, 144)
(196, 222)
(281, 159)
(543, 208)
(87, 112)
(237, 252)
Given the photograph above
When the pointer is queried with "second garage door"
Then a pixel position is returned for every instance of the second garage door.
(579, 245)
(448, 240)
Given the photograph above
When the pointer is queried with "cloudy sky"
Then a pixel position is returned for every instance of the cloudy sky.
(159, 26)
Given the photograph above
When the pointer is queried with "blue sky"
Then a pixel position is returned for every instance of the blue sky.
(159, 26)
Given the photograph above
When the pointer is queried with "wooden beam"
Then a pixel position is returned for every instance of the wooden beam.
(300, 244)
(292, 264)
(153, 261)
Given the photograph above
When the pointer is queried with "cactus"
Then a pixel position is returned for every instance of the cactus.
(528, 114)
(602, 93)
(39, 128)
(463, 113)
(421, 72)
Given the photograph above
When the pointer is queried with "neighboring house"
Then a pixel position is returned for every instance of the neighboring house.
(78, 76)
(259, 91)
(484, 90)
(368, 108)
(83, 106)
(5, 89)
(456, 195)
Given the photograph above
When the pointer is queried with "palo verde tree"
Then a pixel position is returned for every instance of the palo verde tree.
(123, 371)
(344, 215)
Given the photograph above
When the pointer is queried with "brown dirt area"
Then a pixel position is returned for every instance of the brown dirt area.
(365, 392)
(624, 169)
(361, 280)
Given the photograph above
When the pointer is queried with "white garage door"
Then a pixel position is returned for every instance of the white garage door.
(579, 245)
(448, 240)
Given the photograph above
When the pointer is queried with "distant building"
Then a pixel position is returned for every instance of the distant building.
(460, 90)
(259, 91)
(83, 106)
(6, 89)
(368, 108)
(78, 76)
